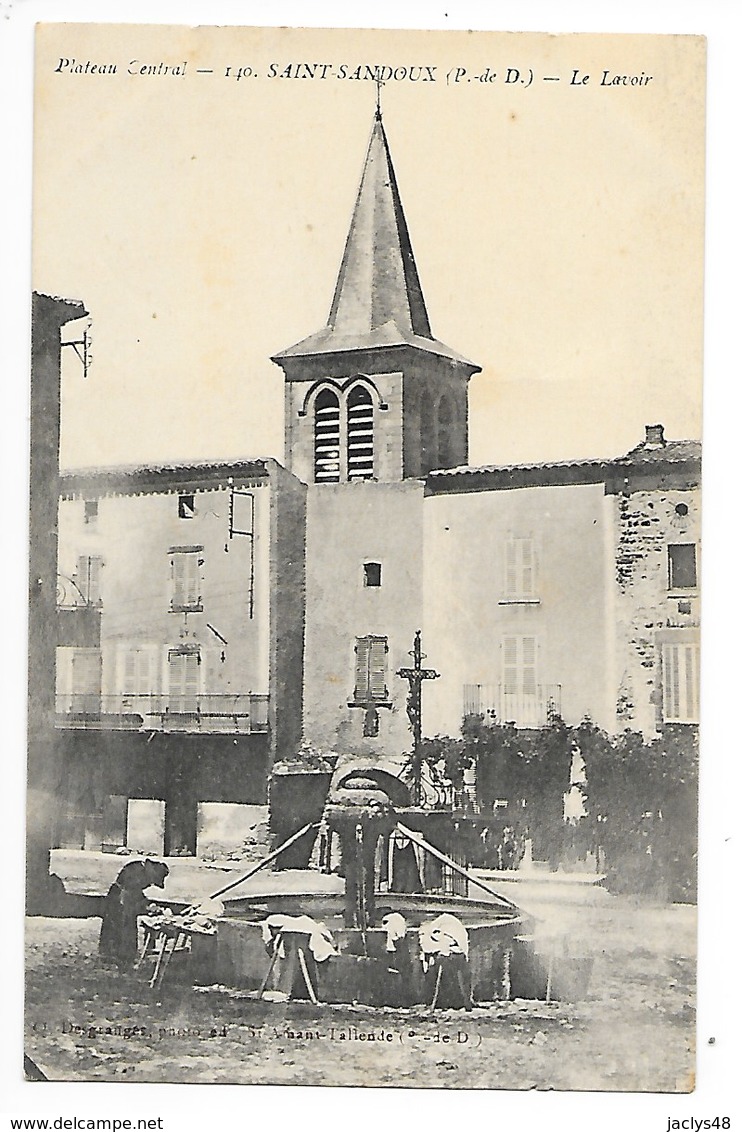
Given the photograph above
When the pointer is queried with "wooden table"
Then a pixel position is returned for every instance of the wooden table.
(162, 938)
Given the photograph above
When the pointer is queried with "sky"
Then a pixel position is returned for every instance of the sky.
(557, 227)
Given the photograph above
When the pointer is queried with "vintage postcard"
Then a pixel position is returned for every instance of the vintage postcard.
(365, 558)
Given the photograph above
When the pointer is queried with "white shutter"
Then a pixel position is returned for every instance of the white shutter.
(511, 568)
(370, 674)
(140, 671)
(510, 665)
(130, 671)
(363, 651)
(94, 569)
(670, 684)
(87, 577)
(528, 665)
(183, 681)
(185, 573)
(81, 575)
(520, 568)
(377, 669)
(527, 567)
(519, 665)
(692, 682)
(680, 682)
(181, 580)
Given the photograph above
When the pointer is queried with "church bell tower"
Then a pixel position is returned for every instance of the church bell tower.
(374, 395)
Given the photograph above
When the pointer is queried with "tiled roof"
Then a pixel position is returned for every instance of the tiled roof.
(123, 477)
(670, 453)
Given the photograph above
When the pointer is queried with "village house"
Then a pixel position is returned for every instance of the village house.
(170, 712)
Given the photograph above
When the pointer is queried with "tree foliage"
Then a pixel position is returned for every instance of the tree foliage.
(640, 796)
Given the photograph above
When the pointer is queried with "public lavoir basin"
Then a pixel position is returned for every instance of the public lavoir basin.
(502, 963)
(370, 945)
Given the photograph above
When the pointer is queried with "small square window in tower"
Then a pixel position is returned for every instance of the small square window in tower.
(91, 511)
(371, 574)
(370, 676)
(681, 566)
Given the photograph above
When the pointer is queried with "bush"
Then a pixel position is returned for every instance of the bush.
(641, 797)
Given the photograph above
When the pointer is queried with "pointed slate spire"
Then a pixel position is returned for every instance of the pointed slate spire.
(378, 281)
(378, 298)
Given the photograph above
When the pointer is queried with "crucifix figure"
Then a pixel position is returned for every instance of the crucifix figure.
(415, 677)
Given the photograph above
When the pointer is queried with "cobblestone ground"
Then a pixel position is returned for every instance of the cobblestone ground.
(634, 1031)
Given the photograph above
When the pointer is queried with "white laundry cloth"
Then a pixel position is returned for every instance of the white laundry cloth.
(321, 943)
(445, 935)
(395, 927)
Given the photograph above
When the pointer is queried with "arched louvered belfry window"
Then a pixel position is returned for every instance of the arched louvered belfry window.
(445, 439)
(326, 437)
(360, 434)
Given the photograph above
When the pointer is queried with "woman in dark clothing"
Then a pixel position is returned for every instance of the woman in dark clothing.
(124, 903)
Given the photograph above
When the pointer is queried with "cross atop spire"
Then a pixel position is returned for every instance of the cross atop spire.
(379, 84)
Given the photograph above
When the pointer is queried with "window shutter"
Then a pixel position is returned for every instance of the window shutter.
(190, 676)
(140, 671)
(680, 682)
(130, 672)
(377, 669)
(81, 575)
(511, 568)
(510, 665)
(363, 650)
(671, 684)
(520, 567)
(692, 682)
(527, 587)
(86, 680)
(176, 576)
(185, 574)
(370, 681)
(86, 671)
(194, 580)
(87, 577)
(183, 677)
(519, 665)
(94, 565)
(528, 670)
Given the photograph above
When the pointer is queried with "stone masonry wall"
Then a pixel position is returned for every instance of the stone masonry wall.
(646, 523)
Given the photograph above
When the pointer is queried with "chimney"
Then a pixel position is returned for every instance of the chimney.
(655, 436)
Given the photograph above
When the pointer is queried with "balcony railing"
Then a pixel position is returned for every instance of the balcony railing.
(524, 709)
(241, 713)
